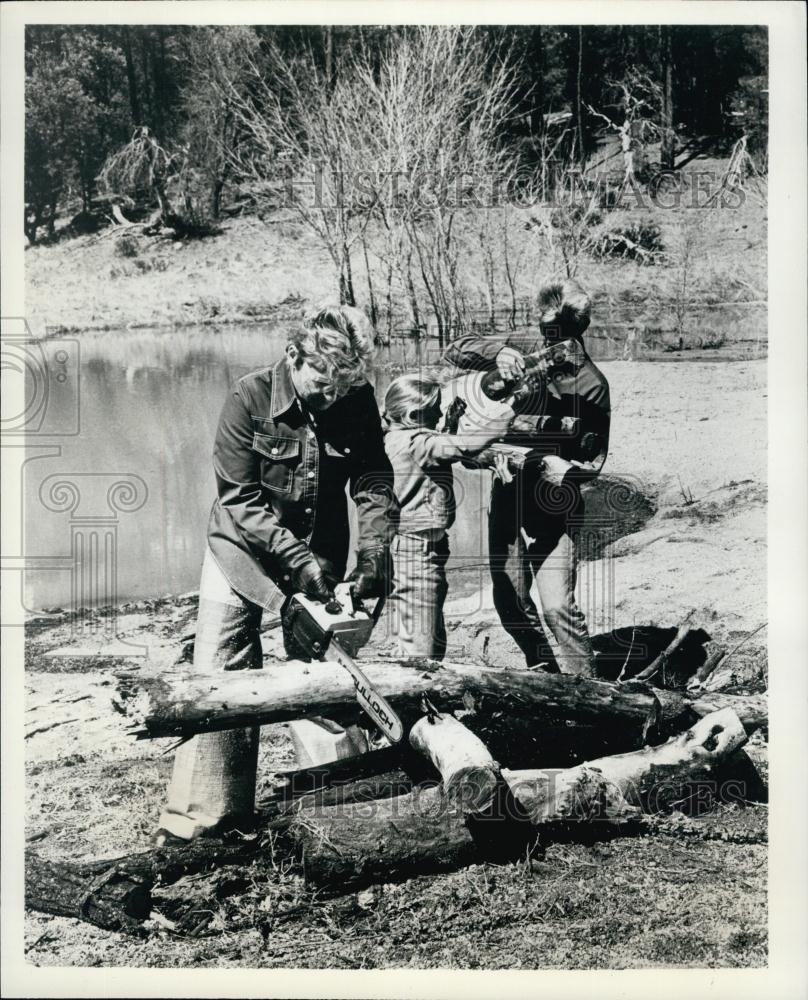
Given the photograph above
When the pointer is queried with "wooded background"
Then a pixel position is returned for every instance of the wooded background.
(89, 87)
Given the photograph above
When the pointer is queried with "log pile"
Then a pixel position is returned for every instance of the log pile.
(362, 839)
(437, 801)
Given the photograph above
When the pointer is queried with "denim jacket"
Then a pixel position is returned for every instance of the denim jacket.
(281, 474)
(422, 464)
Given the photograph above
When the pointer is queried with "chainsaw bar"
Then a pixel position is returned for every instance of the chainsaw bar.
(371, 701)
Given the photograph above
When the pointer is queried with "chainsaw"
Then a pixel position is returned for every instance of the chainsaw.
(337, 630)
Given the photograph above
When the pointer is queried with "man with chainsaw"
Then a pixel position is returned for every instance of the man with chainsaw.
(290, 438)
(536, 513)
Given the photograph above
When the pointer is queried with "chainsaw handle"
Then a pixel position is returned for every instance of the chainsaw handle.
(345, 594)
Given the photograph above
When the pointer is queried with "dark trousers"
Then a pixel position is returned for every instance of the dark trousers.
(531, 534)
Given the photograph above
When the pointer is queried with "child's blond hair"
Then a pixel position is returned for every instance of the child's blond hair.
(407, 394)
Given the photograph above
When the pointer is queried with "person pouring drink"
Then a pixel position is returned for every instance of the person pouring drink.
(536, 515)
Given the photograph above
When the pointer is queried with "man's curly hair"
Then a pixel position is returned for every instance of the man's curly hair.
(338, 339)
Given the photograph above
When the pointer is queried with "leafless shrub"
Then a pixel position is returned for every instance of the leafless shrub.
(398, 141)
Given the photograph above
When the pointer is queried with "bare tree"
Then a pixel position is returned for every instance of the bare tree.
(434, 108)
(303, 136)
(640, 107)
(393, 145)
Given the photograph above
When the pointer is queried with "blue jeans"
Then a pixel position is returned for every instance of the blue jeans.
(419, 593)
(215, 773)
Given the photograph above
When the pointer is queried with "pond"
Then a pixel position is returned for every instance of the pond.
(118, 482)
(120, 513)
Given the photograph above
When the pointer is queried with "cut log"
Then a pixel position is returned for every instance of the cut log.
(181, 703)
(647, 779)
(470, 774)
(347, 845)
(350, 845)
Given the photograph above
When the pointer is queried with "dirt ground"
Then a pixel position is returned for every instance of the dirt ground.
(689, 448)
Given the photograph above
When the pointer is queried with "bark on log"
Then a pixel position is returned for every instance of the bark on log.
(381, 786)
(181, 703)
(348, 845)
(353, 845)
(116, 894)
(117, 900)
(469, 773)
(644, 779)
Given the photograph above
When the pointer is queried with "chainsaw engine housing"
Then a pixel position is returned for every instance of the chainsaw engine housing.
(314, 625)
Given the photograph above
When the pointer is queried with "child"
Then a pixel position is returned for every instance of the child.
(424, 486)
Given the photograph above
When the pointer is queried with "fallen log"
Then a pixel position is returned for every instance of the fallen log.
(344, 846)
(182, 703)
(116, 894)
(469, 773)
(644, 779)
(381, 786)
(354, 845)
(102, 894)
(661, 661)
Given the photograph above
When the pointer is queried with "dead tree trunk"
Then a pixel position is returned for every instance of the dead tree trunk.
(180, 703)
(347, 845)
(469, 773)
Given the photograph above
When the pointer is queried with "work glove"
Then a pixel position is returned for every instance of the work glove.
(454, 411)
(373, 574)
(297, 566)
(308, 579)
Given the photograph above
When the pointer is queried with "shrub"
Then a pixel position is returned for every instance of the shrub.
(712, 340)
(640, 241)
(577, 214)
(194, 223)
(126, 246)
